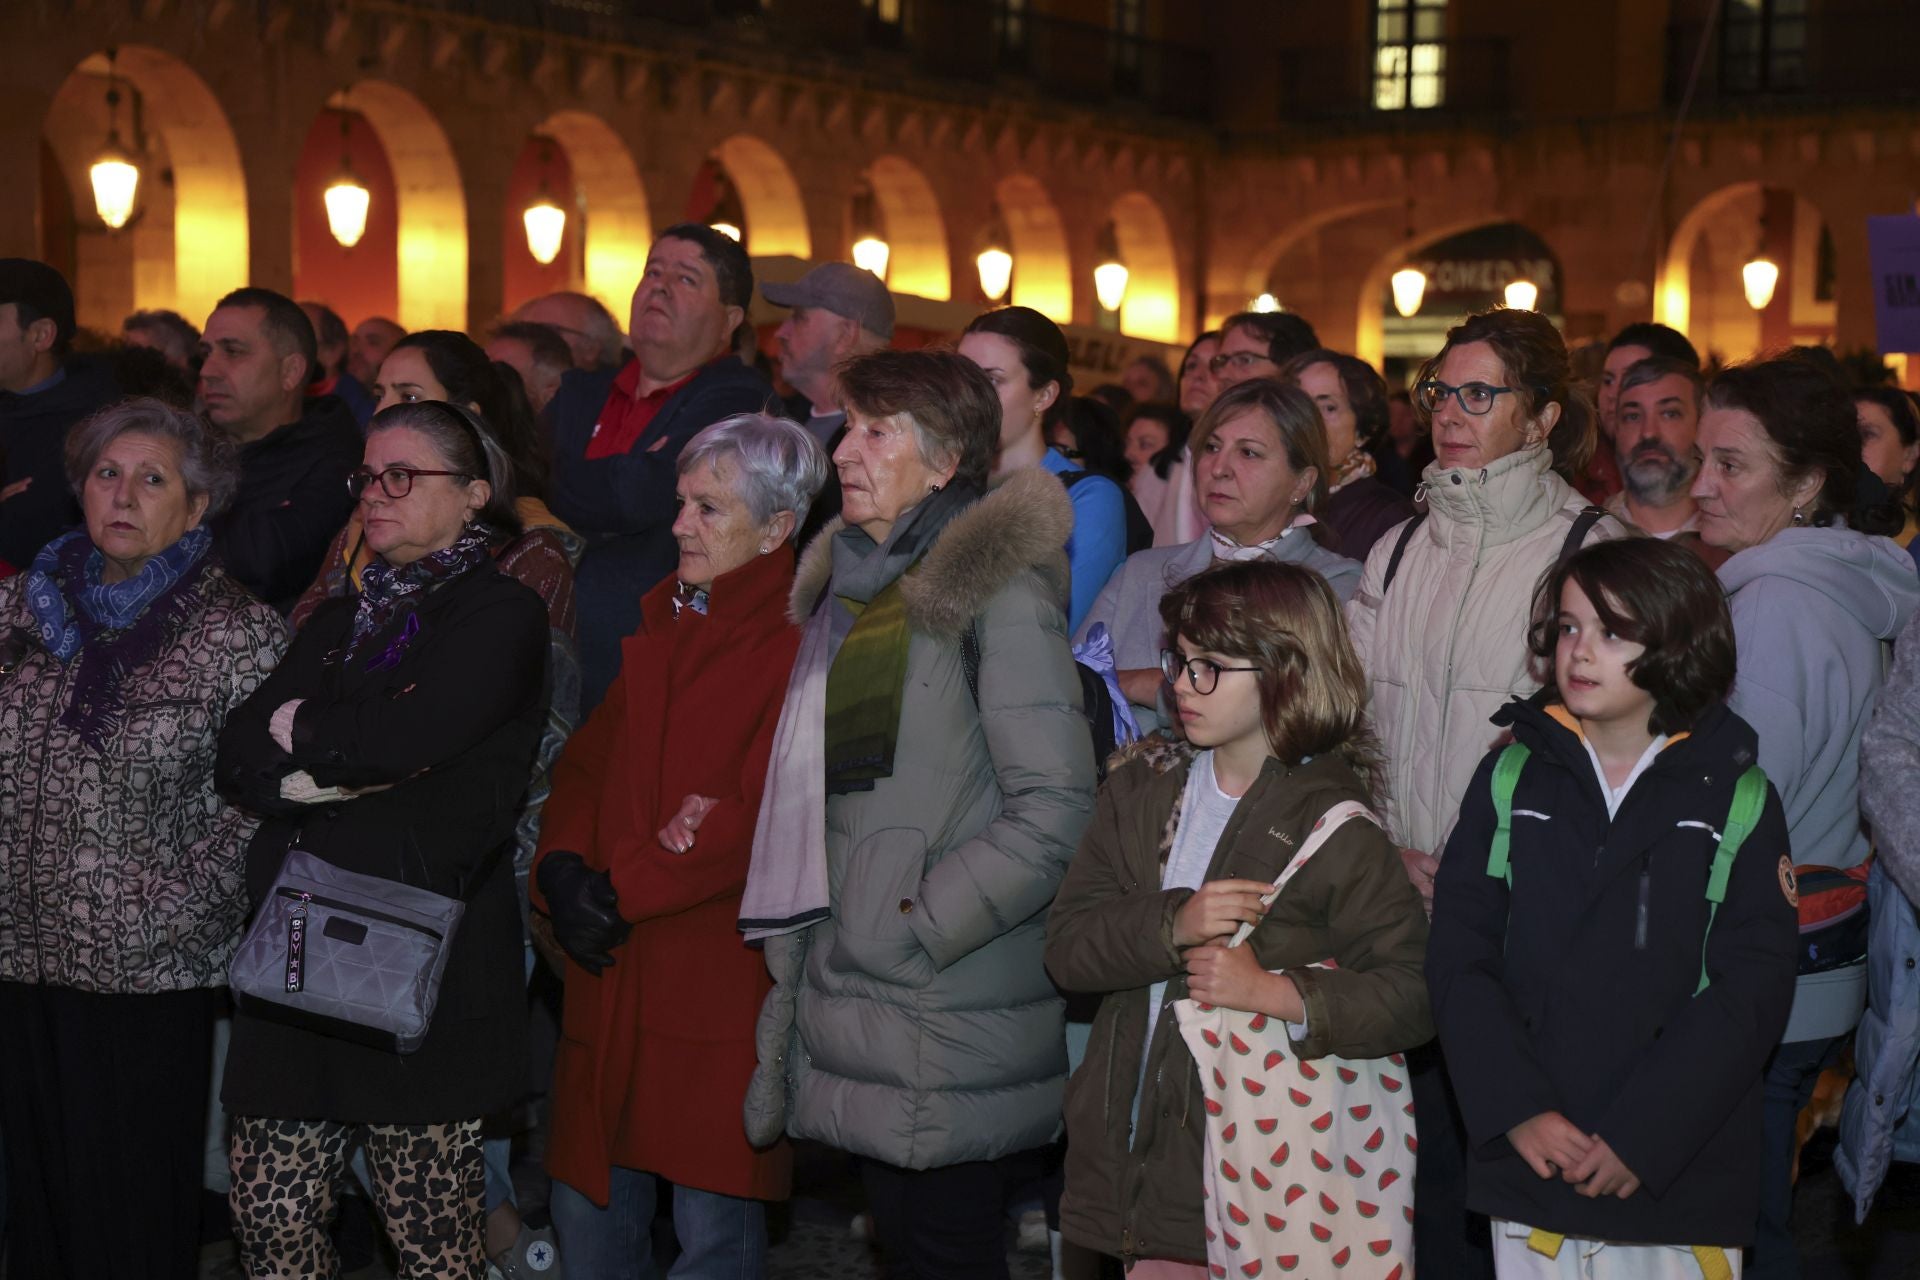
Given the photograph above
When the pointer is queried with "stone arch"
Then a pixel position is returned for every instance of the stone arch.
(1513, 243)
(1042, 267)
(1152, 305)
(776, 215)
(430, 247)
(1698, 289)
(613, 205)
(188, 243)
(916, 232)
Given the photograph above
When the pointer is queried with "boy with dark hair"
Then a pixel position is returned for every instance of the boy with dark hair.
(1607, 1015)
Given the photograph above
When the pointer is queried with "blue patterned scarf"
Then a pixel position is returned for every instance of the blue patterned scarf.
(112, 627)
(386, 592)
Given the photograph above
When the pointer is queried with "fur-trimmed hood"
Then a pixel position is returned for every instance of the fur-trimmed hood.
(1020, 526)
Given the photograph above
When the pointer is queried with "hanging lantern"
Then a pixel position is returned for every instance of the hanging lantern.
(347, 202)
(726, 214)
(1266, 302)
(1758, 279)
(545, 221)
(1409, 286)
(114, 174)
(995, 260)
(1522, 294)
(346, 197)
(546, 224)
(1110, 275)
(871, 252)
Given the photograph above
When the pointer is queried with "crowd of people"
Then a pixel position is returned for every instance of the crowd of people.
(1167, 806)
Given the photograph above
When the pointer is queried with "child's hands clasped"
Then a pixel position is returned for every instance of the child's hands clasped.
(1553, 1146)
(1602, 1173)
(1216, 909)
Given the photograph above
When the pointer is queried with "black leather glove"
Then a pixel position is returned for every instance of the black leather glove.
(584, 909)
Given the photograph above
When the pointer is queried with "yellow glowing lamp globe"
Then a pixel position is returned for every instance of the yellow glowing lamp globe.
(996, 272)
(115, 180)
(546, 224)
(871, 253)
(1409, 285)
(1266, 303)
(1758, 279)
(1110, 284)
(347, 203)
(728, 230)
(1522, 294)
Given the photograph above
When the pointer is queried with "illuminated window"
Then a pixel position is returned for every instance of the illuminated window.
(883, 11)
(1763, 46)
(1409, 54)
(1010, 26)
(1129, 25)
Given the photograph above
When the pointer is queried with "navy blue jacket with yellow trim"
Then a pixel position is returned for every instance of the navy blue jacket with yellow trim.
(1551, 995)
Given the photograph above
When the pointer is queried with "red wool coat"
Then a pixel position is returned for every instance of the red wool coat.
(656, 1052)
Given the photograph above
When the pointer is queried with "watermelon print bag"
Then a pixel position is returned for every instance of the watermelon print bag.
(1309, 1165)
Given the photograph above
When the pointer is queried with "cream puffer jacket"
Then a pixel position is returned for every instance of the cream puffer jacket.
(1447, 646)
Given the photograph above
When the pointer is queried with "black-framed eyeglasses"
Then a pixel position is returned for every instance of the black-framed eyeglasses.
(1202, 673)
(1238, 359)
(1477, 398)
(395, 482)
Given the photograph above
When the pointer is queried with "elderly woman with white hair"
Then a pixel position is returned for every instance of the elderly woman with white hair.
(122, 649)
(643, 857)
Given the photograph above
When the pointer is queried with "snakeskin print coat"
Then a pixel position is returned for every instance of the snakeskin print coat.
(122, 865)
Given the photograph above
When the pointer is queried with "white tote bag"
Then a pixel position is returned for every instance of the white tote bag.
(1309, 1165)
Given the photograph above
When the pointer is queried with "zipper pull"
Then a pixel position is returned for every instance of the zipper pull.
(1646, 903)
(297, 945)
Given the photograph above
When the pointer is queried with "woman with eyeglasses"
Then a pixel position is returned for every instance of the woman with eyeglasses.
(440, 364)
(1259, 476)
(1185, 842)
(1440, 621)
(394, 741)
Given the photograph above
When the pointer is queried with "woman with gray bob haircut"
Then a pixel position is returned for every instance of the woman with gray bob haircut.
(209, 465)
(644, 850)
(123, 648)
(778, 464)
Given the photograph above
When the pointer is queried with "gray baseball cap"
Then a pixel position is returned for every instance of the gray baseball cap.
(842, 288)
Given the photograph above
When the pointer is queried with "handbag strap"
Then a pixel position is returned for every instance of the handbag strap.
(1330, 821)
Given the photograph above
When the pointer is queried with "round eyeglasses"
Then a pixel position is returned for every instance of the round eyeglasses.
(395, 482)
(1203, 674)
(1477, 398)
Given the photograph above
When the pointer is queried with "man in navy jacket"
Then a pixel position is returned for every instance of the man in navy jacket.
(43, 393)
(616, 438)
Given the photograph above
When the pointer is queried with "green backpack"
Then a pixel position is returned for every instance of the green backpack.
(1749, 800)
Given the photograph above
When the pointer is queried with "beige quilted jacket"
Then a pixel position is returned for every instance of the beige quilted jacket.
(1448, 643)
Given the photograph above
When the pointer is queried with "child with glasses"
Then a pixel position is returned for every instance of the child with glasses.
(1186, 844)
(1614, 937)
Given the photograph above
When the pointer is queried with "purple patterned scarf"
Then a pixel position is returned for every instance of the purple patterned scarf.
(386, 592)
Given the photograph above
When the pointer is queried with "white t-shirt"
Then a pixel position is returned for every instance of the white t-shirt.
(1205, 811)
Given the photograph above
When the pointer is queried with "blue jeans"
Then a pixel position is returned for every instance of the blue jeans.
(721, 1237)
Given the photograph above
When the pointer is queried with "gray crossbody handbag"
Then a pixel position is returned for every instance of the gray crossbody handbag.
(354, 956)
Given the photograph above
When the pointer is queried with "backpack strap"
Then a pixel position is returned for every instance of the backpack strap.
(1506, 777)
(1749, 801)
(1582, 525)
(1400, 548)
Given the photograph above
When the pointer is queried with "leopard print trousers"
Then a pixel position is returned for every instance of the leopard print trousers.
(428, 1180)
